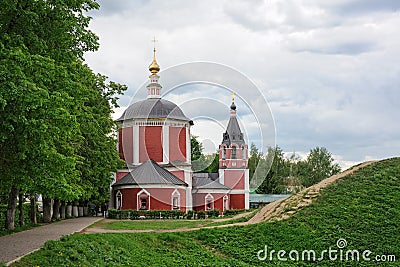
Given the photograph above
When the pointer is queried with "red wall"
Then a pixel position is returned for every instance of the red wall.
(120, 175)
(177, 143)
(125, 146)
(199, 202)
(179, 174)
(160, 199)
(234, 178)
(150, 143)
(236, 201)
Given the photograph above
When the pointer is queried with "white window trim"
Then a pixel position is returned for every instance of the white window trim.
(225, 199)
(118, 195)
(138, 202)
(208, 197)
(174, 195)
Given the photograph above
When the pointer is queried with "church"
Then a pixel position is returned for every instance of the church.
(154, 142)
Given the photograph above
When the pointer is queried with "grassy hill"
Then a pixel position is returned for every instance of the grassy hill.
(361, 210)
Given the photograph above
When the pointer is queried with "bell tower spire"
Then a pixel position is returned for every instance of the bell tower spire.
(154, 88)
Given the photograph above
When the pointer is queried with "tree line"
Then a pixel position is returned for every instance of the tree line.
(56, 131)
(273, 173)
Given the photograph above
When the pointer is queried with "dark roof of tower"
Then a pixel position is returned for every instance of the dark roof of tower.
(149, 172)
(153, 108)
(207, 181)
(233, 133)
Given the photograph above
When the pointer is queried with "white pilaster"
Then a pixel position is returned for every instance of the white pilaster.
(165, 143)
(221, 176)
(188, 180)
(188, 146)
(135, 144)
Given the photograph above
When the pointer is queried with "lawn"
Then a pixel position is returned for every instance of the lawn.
(170, 224)
(362, 210)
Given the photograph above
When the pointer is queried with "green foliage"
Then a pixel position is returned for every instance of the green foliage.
(361, 208)
(145, 214)
(203, 163)
(320, 166)
(234, 212)
(55, 124)
(27, 219)
(278, 174)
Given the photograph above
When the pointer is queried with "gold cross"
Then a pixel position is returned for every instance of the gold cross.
(233, 97)
(154, 41)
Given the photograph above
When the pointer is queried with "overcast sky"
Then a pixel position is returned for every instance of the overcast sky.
(329, 70)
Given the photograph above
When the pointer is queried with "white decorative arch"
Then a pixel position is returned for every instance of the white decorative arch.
(175, 200)
(209, 202)
(139, 199)
(118, 200)
(225, 205)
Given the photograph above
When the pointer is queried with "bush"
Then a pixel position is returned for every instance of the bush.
(201, 214)
(213, 213)
(233, 212)
(190, 214)
(147, 214)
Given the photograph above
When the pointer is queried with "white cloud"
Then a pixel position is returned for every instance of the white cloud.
(329, 69)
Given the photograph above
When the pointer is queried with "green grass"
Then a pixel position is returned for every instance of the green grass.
(362, 208)
(155, 225)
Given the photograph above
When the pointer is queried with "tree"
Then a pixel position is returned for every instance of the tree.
(254, 159)
(273, 179)
(320, 166)
(55, 130)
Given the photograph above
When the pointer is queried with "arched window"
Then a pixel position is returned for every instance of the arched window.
(224, 153)
(226, 203)
(243, 153)
(176, 205)
(233, 152)
(209, 202)
(143, 200)
(118, 201)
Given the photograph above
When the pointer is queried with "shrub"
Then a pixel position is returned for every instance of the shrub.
(233, 212)
(213, 213)
(201, 214)
(190, 214)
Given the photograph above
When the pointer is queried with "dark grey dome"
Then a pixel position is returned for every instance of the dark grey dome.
(153, 108)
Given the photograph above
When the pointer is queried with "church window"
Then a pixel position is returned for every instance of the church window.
(143, 204)
(143, 200)
(226, 203)
(118, 200)
(224, 153)
(233, 152)
(243, 153)
(176, 200)
(209, 202)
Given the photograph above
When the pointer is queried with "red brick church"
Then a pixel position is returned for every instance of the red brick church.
(154, 142)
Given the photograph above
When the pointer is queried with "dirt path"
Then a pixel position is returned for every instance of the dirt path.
(14, 246)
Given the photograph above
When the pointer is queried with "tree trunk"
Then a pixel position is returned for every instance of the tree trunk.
(21, 209)
(11, 206)
(56, 209)
(62, 210)
(33, 210)
(47, 212)
(69, 210)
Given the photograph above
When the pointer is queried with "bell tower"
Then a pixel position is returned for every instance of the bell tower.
(233, 162)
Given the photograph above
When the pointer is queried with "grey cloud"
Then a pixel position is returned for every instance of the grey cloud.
(357, 7)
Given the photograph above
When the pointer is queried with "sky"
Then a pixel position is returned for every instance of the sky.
(306, 73)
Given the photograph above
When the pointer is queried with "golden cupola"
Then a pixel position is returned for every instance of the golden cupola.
(154, 67)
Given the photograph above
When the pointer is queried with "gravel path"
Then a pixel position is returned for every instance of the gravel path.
(13, 247)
